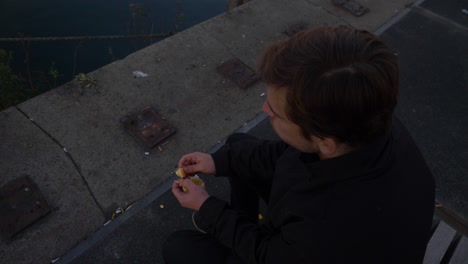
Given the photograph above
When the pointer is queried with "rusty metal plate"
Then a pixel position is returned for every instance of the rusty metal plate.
(239, 73)
(351, 6)
(21, 204)
(149, 127)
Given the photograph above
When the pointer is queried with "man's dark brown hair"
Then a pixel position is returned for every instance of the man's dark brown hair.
(341, 82)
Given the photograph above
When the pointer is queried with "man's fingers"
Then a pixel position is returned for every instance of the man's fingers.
(190, 164)
(186, 183)
(176, 189)
(192, 199)
(197, 162)
(192, 169)
(185, 160)
(175, 184)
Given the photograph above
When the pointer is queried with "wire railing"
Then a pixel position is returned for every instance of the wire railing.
(84, 38)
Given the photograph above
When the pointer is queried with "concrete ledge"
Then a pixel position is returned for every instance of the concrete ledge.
(183, 86)
(247, 29)
(380, 12)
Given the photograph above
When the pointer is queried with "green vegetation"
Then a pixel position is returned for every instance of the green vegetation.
(48, 80)
(18, 85)
(54, 73)
(10, 85)
(14, 88)
(86, 81)
(111, 54)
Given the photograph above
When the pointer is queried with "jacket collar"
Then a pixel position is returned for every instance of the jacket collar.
(365, 162)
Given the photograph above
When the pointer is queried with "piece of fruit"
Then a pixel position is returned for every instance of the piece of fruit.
(195, 179)
(181, 173)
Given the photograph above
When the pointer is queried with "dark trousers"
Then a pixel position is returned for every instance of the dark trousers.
(190, 246)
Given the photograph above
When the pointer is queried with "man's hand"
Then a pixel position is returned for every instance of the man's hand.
(193, 198)
(197, 162)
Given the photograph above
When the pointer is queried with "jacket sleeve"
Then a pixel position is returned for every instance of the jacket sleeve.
(255, 243)
(254, 160)
(251, 158)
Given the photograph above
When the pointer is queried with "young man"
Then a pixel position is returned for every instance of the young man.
(347, 183)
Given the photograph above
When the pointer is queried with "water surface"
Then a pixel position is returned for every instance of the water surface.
(54, 18)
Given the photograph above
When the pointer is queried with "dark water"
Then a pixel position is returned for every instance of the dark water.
(60, 18)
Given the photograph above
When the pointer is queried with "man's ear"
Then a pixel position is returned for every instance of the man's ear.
(327, 147)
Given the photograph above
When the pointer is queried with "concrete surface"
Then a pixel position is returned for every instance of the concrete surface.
(25, 149)
(450, 10)
(380, 12)
(105, 168)
(246, 30)
(433, 97)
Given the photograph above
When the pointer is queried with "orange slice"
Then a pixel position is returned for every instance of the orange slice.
(181, 173)
(195, 179)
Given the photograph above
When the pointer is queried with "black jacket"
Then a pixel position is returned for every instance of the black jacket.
(373, 205)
